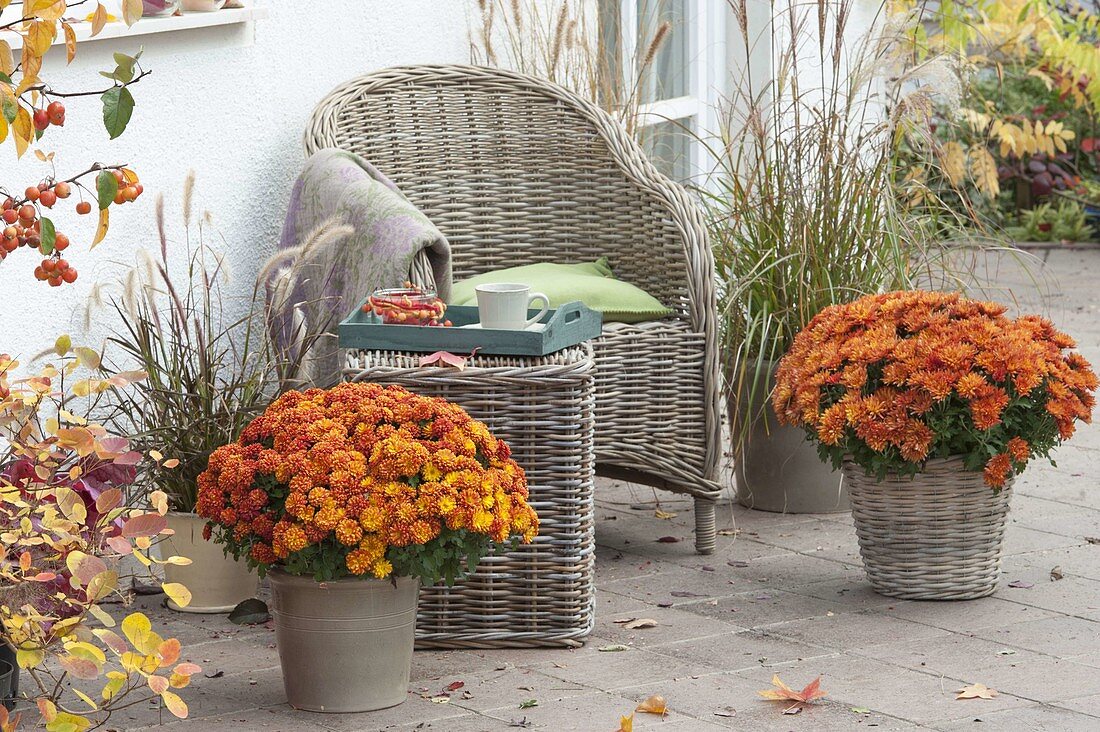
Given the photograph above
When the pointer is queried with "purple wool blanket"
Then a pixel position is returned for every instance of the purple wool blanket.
(348, 232)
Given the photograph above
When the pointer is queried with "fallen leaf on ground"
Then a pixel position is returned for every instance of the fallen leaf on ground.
(443, 699)
(1093, 539)
(667, 540)
(976, 691)
(1021, 584)
(653, 705)
(626, 724)
(782, 692)
(614, 648)
(665, 514)
(795, 708)
(454, 686)
(529, 703)
(636, 623)
(861, 710)
(1056, 574)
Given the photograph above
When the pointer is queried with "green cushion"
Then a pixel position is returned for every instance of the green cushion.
(592, 283)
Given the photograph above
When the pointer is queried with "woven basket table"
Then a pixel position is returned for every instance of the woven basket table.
(935, 536)
(541, 594)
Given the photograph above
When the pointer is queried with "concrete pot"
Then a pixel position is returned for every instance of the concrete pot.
(9, 676)
(345, 646)
(775, 467)
(217, 582)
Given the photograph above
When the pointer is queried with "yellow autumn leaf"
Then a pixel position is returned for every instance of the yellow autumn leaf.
(139, 631)
(984, 169)
(101, 227)
(954, 162)
(131, 11)
(174, 704)
(177, 593)
(99, 18)
(626, 724)
(23, 129)
(40, 35)
(70, 42)
(45, 9)
(29, 658)
(7, 61)
(655, 704)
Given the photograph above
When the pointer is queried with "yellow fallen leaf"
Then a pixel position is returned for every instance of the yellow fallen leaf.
(653, 705)
(782, 692)
(976, 691)
(626, 724)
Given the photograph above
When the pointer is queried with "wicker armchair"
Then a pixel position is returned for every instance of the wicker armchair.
(516, 170)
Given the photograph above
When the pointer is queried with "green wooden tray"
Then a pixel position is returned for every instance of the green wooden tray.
(566, 326)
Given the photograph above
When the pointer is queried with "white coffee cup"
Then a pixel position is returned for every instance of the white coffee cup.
(503, 306)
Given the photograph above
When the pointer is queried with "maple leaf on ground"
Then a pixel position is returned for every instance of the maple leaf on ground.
(782, 692)
(976, 691)
(655, 704)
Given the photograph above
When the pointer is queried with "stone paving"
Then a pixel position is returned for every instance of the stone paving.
(784, 594)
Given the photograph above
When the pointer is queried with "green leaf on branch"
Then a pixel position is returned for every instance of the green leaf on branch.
(124, 71)
(118, 105)
(10, 107)
(49, 236)
(106, 186)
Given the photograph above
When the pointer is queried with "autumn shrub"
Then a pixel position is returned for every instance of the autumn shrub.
(66, 525)
(895, 379)
(363, 478)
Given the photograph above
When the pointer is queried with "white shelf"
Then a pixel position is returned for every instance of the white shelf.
(152, 26)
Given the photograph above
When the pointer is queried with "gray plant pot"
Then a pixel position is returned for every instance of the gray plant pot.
(9, 676)
(775, 467)
(344, 646)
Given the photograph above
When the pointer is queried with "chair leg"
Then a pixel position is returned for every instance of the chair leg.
(705, 527)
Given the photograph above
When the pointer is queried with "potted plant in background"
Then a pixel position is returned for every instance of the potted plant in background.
(209, 372)
(930, 404)
(348, 499)
(804, 214)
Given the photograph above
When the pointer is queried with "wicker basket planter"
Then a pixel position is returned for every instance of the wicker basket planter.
(937, 536)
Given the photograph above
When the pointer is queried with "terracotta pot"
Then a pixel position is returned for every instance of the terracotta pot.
(217, 582)
(345, 646)
(776, 468)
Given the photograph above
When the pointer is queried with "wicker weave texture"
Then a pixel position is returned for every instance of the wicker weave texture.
(937, 536)
(516, 170)
(540, 594)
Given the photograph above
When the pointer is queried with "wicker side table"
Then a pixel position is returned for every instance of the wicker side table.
(541, 594)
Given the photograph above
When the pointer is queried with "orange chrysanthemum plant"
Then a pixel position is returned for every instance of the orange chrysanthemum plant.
(895, 379)
(363, 478)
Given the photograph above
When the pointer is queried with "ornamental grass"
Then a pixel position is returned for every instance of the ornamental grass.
(892, 380)
(363, 478)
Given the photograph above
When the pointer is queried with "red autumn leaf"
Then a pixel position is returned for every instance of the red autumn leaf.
(782, 692)
(454, 686)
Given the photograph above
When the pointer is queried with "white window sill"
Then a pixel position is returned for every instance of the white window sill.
(153, 26)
